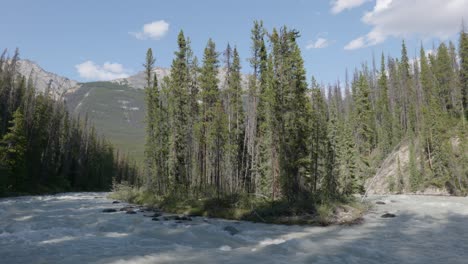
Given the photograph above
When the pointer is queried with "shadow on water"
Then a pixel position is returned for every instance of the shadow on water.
(85, 235)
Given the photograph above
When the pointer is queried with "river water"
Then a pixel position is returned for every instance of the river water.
(70, 228)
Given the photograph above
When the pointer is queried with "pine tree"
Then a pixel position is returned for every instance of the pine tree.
(235, 115)
(463, 54)
(295, 109)
(212, 134)
(350, 183)
(444, 74)
(383, 115)
(178, 102)
(151, 90)
(364, 126)
(318, 140)
(13, 149)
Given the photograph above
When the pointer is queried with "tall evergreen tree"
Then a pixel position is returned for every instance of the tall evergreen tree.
(178, 103)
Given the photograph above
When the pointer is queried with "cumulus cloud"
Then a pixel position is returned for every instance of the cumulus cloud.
(154, 30)
(320, 43)
(339, 6)
(108, 71)
(403, 18)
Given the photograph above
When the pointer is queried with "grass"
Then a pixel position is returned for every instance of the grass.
(248, 208)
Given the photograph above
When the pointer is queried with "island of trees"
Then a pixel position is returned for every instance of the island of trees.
(281, 139)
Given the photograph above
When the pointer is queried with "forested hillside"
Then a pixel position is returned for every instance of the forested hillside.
(284, 138)
(43, 149)
(117, 112)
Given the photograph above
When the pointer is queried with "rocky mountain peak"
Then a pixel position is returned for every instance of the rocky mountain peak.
(41, 78)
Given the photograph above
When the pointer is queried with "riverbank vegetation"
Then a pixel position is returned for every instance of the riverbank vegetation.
(43, 149)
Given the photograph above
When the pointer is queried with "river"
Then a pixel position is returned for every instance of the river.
(70, 228)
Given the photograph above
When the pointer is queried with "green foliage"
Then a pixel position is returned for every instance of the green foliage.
(43, 149)
(282, 142)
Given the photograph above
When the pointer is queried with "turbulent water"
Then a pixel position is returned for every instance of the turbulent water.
(70, 228)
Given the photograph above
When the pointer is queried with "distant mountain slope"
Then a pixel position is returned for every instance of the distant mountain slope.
(116, 108)
(117, 111)
(138, 80)
(42, 78)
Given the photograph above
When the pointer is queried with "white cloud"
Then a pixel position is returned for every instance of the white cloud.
(339, 6)
(108, 71)
(154, 30)
(320, 43)
(403, 18)
(355, 44)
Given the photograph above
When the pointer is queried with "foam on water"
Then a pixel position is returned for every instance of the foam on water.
(70, 228)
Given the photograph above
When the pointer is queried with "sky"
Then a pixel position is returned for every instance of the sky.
(91, 40)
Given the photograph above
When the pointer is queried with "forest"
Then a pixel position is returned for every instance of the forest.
(286, 139)
(277, 138)
(43, 149)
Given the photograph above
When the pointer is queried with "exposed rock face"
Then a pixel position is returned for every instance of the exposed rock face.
(41, 79)
(394, 170)
(138, 80)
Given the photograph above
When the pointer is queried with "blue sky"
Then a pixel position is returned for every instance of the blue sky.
(90, 40)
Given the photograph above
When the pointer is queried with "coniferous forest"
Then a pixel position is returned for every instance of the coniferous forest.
(286, 137)
(275, 134)
(44, 149)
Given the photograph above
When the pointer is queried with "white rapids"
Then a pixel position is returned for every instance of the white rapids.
(70, 228)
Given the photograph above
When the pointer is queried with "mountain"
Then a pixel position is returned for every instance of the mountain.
(116, 108)
(42, 79)
(138, 80)
(117, 111)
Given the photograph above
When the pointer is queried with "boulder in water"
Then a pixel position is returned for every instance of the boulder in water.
(155, 219)
(388, 215)
(127, 208)
(379, 202)
(130, 212)
(169, 217)
(177, 218)
(154, 215)
(183, 218)
(115, 202)
(109, 210)
(231, 230)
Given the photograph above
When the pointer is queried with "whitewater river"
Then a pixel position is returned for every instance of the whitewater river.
(70, 228)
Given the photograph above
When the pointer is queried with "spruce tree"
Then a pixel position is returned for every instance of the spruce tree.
(212, 134)
(318, 140)
(178, 102)
(463, 54)
(151, 90)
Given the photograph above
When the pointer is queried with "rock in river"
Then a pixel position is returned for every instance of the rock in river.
(153, 215)
(127, 208)
(109, 210)
(388, 215)
(231, 230)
